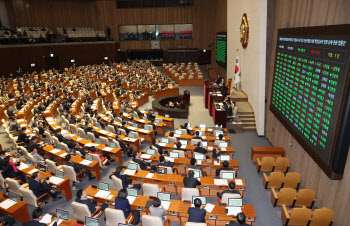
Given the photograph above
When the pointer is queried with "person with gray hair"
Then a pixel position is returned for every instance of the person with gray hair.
(240, 220)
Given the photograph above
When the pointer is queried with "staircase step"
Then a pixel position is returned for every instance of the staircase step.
(249, 128)
(248, 123)
(246, 119)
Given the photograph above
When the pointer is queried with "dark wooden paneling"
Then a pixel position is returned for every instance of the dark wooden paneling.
(84, 54)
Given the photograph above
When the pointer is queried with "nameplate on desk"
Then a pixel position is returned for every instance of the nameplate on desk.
(171, 183)
(250, 219)
(235, 168)
(206, 186)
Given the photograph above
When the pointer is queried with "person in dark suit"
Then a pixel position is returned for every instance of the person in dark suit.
(200, 149)
(193, 165)
(37, 216)
(231, 190)
(22, 137)
(197, 136)
(39, 188)
(2, 160)
(240, 220)
(99, 121)
(78, 168)
(159, 148)
(228, 109)
(125, 181)
(36, 122)
(124, 128)
(41, 107)
(122, 203)
(225, 167)
(224, 89)
(136, 159)
(19, 104)
(190, 182)
(218, 79)
(163, 162)
(216, 154)
(196, 214)
(77, 147)
(82, 198)
(184, 126)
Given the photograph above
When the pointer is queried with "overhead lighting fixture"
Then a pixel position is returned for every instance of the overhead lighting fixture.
(106, 58)
(32, 65)
(72, 60)
(204, 50)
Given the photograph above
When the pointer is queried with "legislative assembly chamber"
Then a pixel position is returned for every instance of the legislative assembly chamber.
(174, 112)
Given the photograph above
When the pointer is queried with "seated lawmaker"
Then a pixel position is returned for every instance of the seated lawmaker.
(231, 190)
(216, 154)
(193, 165)
(78, 168)
(163, 162)
(197, 137)
(39, 188)
(200, 149)
(228, 109)
(122, 203)
(158, 210)
(225, 167)
(159, 148)
(11, 171)
(241, 218)
(37, 216)
(143, 165)
(124, 178)
(92, 205)
(190, 182)
(102, 156)
(196, 214)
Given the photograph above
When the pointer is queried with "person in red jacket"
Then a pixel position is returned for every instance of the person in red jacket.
(104, 156)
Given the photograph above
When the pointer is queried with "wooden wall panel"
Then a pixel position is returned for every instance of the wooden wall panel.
(102, 13)
(220, 26)
(301, 13)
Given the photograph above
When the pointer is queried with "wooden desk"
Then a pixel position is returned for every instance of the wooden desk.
(95, 167)
(209, 87)
(205, 138)
(169, 122)
(207, 130)
(210, 168)
(191, 82)
(259, 152)
(177, 208)
(63, 186)
(214, 97)
(17, 211)
(70, 222)
(165, 92)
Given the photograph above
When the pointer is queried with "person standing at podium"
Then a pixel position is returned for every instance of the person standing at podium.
(218, 80)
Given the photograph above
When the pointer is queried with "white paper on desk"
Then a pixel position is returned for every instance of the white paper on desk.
(78, 139)
(22, 166)
(209, 207)
(162, 144)
(64, 132)
(210, 130)
(238, 182)
(216, 163)
(125, 114)
(24, 125)
(199, 162)
(176, 135)
(55, 180)
(210, 148)
(127, 139)
(33, 171)
(63, 155)
(132, 128)
(102, 194)
(233, 210)
(166, 205)
(54, 151)
(58, 222)
(169, 159)
(183, 146)
(141, 120)
(129, 172)
(86, 162)
(27, 131)
(50, 123)
(146, 156)
(7, 203)
(20, 120)
(46, 219)
(190, 128)
(131, 199)
(143, 131)
(149, 175)
(204, 137)
(89, 145)
(220, 182)
(133, 139)
(107, 149)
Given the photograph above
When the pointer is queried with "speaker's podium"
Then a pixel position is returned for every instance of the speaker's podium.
(219, 114)
(209, 87)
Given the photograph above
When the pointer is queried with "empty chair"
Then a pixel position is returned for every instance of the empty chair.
(226, 196)
(172, 140)
(292, 180)
(117, 183)
(285, 196)
(55, 140)
(2, 182)
(98, 159)
(187, 193)
(51, 166)
(81, 132)
(322, 217)
(65, 147)
(196, 224)
(48, 137)
(148, 220)
(14, 185)
(305, 197)
(81, 211)
(104, 140)
(116, 217)
(122, 132)
(31, 199)
(184, 131)
(281, 164)
(70, 173)
(275, 180)
(298, 216)
(151, 189)
(266, 164)
(181, 153)
(74, 128)
(111, 128)
(117, 145)
(91, 136)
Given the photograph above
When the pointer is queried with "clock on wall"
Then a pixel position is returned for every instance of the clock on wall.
(244, 31)
(155, 44)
